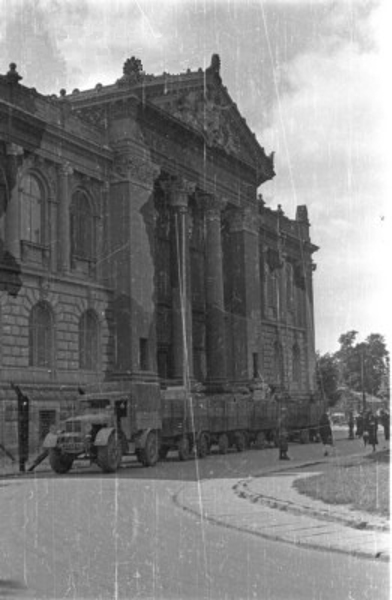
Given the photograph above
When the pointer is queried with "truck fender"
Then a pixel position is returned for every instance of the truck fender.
(103, 436)
(50, 440)
(140, 441)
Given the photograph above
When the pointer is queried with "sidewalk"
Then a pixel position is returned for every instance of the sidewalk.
(268, 506)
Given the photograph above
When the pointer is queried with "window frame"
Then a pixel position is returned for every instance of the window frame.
(39, 331)
(33, 176)
(83, 235)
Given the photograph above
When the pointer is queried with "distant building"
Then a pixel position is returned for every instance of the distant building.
(126, 211)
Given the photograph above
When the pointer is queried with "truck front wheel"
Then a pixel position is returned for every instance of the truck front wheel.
(109, 456)
(59, 462)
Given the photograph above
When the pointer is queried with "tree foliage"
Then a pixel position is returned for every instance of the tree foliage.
(328, 376)
(359, 366)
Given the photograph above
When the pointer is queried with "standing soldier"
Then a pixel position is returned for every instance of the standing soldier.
(385, 422)
(359, 420)
(283, 436)
(371, 427)
(325, 432)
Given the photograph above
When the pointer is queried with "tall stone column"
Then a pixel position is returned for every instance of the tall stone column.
(12, 229)
(215, 310)
(181, 296)
(245, 292)
(64, 230)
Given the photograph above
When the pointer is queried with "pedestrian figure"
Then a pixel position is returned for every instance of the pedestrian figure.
(385, 422)
(283, 437)
(350, 425)
(325, 430)
(359, 421)
(371, 428)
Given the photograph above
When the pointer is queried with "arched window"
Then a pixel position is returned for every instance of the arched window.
(296, 364)
(41, 336)
(31, 210)
(88, 341)
(82, 227)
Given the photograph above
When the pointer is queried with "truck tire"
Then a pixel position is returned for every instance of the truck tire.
(223, 443)
(109, 456)
(150, 453)
(184, 449)
(59, 462)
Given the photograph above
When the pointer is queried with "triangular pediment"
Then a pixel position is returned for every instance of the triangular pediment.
(195, 98)
(204, 104)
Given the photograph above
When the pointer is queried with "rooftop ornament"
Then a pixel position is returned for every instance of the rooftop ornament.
(215, 66)
(13, 76)
(132, 72)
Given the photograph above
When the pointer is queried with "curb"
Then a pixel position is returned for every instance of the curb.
(276, 538)
(241, 490)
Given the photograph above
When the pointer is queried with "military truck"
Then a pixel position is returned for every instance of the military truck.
(107, 426)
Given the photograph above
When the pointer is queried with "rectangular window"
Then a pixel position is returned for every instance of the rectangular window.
(143, 354)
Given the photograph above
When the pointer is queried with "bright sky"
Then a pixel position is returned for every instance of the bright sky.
(309, 76)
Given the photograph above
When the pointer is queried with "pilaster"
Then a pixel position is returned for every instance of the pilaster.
(64, 248)
(12, 227)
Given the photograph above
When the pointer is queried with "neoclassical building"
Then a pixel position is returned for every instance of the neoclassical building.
(132, 235)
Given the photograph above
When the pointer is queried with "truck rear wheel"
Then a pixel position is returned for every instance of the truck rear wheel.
(150, 453)
(59, 462)
(109, 456)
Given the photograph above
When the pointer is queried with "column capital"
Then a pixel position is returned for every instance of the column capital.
(65, 169)
(179, 190)
(14, 149)
(212, 204)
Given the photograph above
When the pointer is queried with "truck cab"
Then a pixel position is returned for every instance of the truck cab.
(106, 427)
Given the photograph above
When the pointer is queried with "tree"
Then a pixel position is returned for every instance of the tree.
(328, 377)
(363, 366)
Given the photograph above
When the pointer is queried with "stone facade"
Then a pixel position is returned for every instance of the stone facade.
(132, 236)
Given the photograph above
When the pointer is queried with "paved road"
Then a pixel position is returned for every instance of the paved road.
(88, 536)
